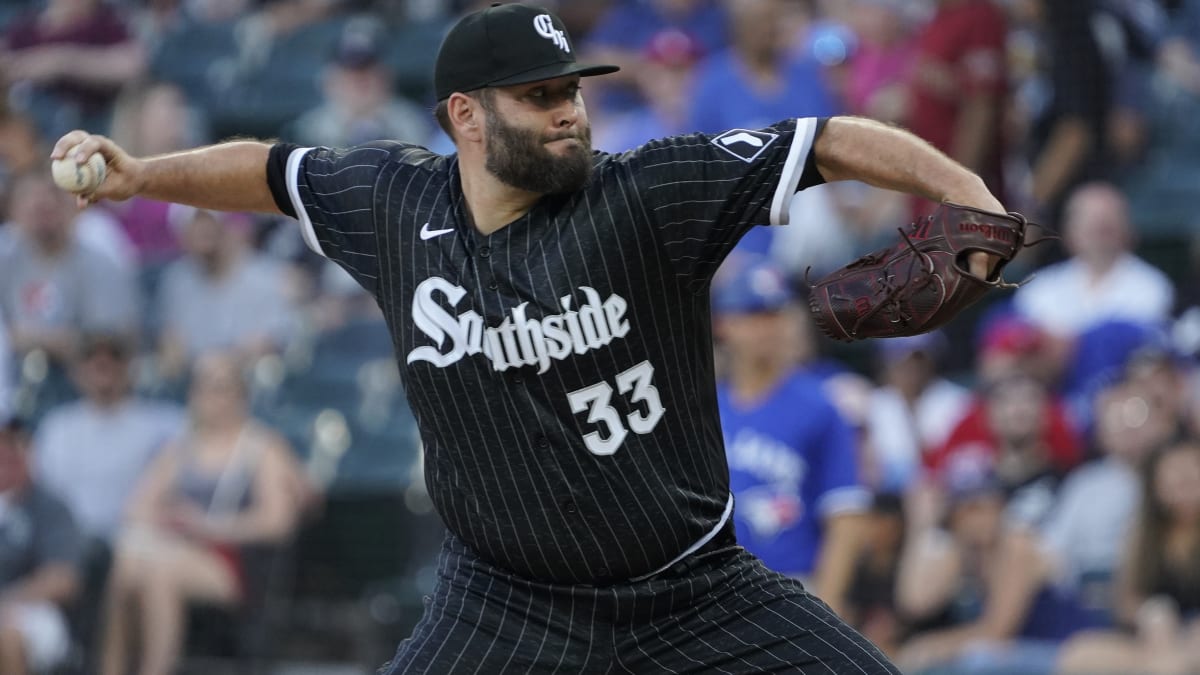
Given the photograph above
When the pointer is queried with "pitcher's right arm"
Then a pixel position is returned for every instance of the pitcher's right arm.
(229, 176)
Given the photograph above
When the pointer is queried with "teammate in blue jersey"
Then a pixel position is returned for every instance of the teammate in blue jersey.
(793, 467)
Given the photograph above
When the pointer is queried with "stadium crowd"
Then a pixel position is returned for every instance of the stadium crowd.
(189, 392)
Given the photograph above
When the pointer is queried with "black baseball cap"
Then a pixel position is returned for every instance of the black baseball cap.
(504, 45)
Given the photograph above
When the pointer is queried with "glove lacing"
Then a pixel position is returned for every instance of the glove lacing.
(890, 302)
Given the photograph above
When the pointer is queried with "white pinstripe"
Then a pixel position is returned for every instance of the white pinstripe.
(738, 593)
(500, 631)
(670, 329)
(638, 509)
(831, 621)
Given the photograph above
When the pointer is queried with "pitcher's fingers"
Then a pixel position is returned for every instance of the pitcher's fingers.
(981, 264)
(93, 144)
(65, 143)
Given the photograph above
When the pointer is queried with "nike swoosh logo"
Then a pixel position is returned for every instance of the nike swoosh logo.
(427, 233)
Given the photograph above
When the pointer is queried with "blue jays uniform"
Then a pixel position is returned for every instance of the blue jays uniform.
(792, 464)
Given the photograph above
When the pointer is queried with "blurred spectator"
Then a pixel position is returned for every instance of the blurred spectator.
(20, 146)
(93, 451)
(792, 458)
(153, 119)
(949, 557)
(227, 484)
(1010, 344)
(1168, 381)
(959, 85)
(1102, 279)
(847, 390)
(339, 301)
(39, 551)
(7, 404)
(1177, 54)
(1100, 357)
(1055, 580)
(874, 83)
(1068, 126)
(221, 295)
(360, 104)
(269, 20)
(52, 285)
(630, 26)
(262, 73)
(914, 410)
(877, 82)
(665, 77)
(757, 81)
(68, 60)
(1018, 430)
(1159, 583)
(871, 602)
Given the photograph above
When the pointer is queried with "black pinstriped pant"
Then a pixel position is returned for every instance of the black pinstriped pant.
(718, 611)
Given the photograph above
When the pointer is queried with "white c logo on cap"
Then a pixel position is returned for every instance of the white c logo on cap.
(544, 25)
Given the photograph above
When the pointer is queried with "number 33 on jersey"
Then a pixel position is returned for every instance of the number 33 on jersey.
(540, 360)
(524, 341)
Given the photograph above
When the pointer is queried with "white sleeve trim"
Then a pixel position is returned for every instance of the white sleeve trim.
(793, 169)
(850, 499)
(293, 187)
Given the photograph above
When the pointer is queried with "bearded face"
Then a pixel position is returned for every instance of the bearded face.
(519, 157)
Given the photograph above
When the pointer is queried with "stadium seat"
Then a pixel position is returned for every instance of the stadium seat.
(190, 56)
(259, 95)
(245, 639)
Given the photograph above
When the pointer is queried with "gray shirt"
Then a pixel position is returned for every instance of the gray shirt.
(94, 458)
(80, 289)
(1087, 528)
(210, 314)
(36, 528)
(399, 119)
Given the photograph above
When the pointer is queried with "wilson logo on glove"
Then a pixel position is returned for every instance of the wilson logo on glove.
(989, 231)
(922, 281)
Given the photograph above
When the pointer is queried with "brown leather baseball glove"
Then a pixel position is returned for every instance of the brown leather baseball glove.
(920, 282)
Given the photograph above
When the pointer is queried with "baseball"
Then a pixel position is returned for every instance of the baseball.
(79, 178)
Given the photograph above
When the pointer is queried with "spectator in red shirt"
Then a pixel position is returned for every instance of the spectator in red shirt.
(959, 86)
(1024, 434)
(70, 58)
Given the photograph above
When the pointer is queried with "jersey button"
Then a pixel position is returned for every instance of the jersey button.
(493, 286)
(484, 251)
(542, 442)
(569, 506)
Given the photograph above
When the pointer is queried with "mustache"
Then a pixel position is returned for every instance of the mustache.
(577, 134)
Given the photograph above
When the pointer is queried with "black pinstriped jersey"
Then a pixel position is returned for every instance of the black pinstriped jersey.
(560, 369)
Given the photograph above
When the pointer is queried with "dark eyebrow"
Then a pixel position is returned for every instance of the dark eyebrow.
(570, 84)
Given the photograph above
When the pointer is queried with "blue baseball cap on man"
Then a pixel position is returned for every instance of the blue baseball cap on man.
(751, 287)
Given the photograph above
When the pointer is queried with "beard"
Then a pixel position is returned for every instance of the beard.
(519, 157)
